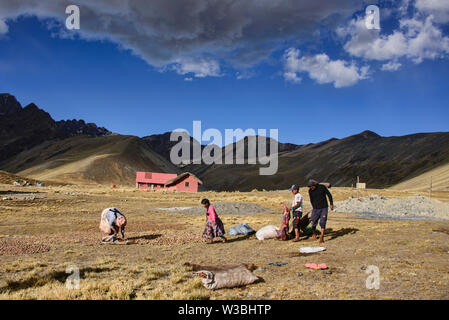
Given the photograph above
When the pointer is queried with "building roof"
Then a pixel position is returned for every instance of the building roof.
(154, 177)
(180, 177)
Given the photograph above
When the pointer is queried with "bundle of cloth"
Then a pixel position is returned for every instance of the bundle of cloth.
(283, 233)
(268, 232)
(242, 228)
(225, 276)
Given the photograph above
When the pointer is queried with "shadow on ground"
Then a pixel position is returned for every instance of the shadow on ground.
(339, 233)
(145, 237)
(330, 234)
(245, 237)
(42, 280)
(9, 192)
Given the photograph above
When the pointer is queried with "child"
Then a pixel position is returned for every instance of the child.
(296, 211)
(283, 234)
(214, 226)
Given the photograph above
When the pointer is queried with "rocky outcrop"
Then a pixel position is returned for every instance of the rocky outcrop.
(75, 127)
(8, 104)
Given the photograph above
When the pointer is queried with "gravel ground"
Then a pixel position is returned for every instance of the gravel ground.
(22, 197)
(380, 207)
(17, 246)
(221, 208)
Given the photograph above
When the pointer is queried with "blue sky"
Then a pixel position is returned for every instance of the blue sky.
(129, 91)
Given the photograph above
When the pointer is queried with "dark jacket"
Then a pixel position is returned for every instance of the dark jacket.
(318, 197)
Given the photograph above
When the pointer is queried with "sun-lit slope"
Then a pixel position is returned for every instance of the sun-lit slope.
(82, 159)
(440, 180)
(9, 178)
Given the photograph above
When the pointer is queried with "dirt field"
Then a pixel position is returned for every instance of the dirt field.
(45, 230)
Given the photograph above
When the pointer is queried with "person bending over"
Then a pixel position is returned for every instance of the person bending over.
(112, 222)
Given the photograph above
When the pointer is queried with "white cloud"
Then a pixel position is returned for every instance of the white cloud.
(200, 68)
(245, 74)
(438, 8)
(188, 79)
(240, 33)
(425, 40)
(391, 66)
(369, 44)
(322, 69)
(3, 27)
(403, 7)
(292, 77)
(416, 39)
(177, 35)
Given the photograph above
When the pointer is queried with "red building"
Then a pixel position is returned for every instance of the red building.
(185, 182)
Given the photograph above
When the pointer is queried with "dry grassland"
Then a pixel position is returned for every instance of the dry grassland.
(40, 238)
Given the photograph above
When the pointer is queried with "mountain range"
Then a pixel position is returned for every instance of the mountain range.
(34, 145)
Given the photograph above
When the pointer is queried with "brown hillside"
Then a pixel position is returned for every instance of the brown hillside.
(10, 178)
(440, 180)
(379, 161)
(83, 159)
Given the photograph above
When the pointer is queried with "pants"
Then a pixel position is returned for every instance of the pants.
(319, 214)
(296, 219)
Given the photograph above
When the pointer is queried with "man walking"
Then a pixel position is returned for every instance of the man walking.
(318, 193)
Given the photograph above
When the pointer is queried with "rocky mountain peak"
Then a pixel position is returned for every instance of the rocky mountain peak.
(77, 127)
(8, 104)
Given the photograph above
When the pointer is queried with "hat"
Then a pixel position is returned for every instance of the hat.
(293, 187)
(312, 183)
